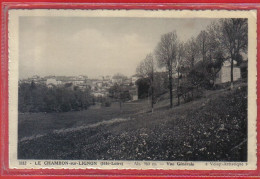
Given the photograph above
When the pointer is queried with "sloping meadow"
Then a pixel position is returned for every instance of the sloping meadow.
(209, 129)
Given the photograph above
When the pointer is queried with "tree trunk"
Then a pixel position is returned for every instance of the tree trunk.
(152, 101)
(203, 51)
(178, 88)
(170, 86)
(148, 96)
(152, 80)
(214, 79)
(120, 104)
(231, 74)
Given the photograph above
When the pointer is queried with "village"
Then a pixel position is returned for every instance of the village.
(99, 87)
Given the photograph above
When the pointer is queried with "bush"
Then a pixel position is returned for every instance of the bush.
(38, 98)
(106, 103)
(243, 70)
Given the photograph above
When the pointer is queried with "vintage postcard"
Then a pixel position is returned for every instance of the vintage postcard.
(132, 89)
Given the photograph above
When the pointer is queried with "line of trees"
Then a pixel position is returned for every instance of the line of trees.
(39, 98)
(199, 59)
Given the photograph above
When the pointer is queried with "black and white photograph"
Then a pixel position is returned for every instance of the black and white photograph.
(131, 88)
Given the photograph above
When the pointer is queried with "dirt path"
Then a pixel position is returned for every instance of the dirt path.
(74, 129)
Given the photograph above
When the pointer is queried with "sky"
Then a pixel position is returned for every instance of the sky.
(94, 46)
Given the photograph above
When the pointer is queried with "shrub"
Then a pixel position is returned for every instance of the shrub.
(106, 102)
(38, 98)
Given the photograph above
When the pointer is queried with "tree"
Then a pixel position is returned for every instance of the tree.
(119, 78)
(214, 66)
(202, 42)
(179, 65)
(166, 52)
(119, 93)
(215, 51)
(39, 98)
(143, 87)
(146, 69)
(235, 39)
(191, 48)
(214, 40)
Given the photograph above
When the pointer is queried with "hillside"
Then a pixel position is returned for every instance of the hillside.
(210, 129)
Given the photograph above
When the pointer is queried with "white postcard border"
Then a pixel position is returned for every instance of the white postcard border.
(13, 36)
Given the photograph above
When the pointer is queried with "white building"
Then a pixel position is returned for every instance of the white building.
(52, 81)
(134, 78)
(224, 76)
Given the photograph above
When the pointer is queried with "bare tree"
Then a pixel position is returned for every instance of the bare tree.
(146, 69)
(119, 78)
(235, 39)
(120, 93)
(191, 48)
(214, 40)
(179, 65)
(202, 42)
(166, 53)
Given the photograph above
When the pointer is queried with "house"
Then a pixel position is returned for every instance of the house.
(99, 84)
(82, 77)
(117, 80)
(224, 76)
(127, 81)
(134, 78)
(98, 94)
(52, 81)
(77, 81)
(133, 91)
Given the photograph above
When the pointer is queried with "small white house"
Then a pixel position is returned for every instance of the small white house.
(134, 78)
(134, 93)
(224, 76)
(135, 98)
(98, 94)
(52, 81)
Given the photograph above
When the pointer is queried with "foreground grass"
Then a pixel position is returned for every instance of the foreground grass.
(33, 124)
(209, 129)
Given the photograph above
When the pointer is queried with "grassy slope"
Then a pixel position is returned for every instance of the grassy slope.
(41, 123)
(212, 128)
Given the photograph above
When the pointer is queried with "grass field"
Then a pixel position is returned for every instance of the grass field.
(213, 128)
(33, 124)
